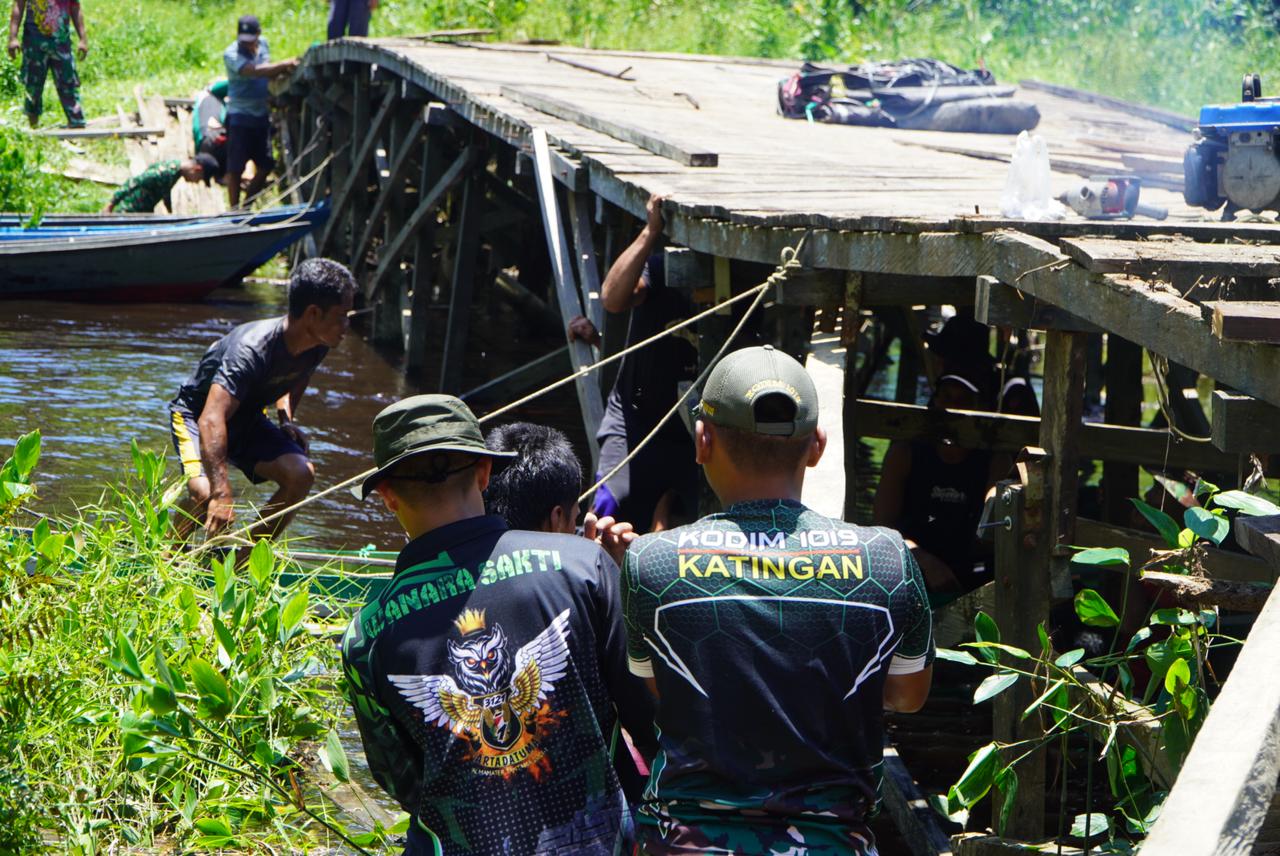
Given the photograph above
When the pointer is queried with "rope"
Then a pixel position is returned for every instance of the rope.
(788, 263)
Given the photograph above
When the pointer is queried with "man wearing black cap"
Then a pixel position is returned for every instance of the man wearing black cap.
(773, 638)
(155, 183)
(249, 67)
(484, 677)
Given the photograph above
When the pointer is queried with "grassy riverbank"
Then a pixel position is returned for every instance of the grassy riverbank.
(1178, 54)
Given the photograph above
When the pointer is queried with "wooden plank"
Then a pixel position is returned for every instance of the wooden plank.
(589, 397)
(522, 379)
(851, 418)
(1199, 593)
(1000, 305)
(667, 147)
(1164, 258)
(982, 844)
(406, 148)
(1153, 317)
(918, 824)
(1224, 790)
(359, 160)
(1246, 321)
(1218, 564)
(585, 255)
(617, 75)
(1123, 378)
(1243, 424)
(1021, 602)
(1155, 114)
(1062, 402)
(99, 133)
(1003, 432)
(1261, 537)
(462, 282)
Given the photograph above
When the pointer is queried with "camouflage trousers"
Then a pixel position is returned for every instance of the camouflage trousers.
(39, 55)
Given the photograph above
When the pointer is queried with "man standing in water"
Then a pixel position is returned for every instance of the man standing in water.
(46, 44)
(220, 413)
(249, 68)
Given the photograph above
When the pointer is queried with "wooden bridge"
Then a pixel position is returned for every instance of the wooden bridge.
(460, 175)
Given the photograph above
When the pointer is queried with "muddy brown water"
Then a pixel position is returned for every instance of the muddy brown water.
(93, 377)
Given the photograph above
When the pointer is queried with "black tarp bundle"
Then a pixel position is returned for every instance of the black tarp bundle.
(917, 94)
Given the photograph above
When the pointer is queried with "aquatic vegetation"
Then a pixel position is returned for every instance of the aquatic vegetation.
(146, 698)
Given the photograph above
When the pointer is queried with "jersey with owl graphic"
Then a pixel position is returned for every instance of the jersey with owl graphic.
(769, 630)
(484, 679)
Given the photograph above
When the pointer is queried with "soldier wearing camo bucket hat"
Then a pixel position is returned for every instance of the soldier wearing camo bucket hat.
(487, 677)
(772, 637)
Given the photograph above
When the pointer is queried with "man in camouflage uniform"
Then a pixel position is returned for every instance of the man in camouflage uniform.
(45, 45)
(773, 638)
(155, 183)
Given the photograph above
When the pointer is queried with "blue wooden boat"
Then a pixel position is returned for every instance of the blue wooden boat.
(64, 259)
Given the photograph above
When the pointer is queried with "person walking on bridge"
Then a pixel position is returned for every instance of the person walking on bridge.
(46, 44)
(249, 68)
(350, 17)
(219, 414)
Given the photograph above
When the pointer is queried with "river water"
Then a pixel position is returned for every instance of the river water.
(93, 377)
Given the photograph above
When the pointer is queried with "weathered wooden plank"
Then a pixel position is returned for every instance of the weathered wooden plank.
(338, 201)
(589, 397)
(1224, 790)
(665, 146)
(982, 844)
(1001, 305)
(522, 379)
(405, 149)
(463, 279)
(1154, 317)
(1261, 537)
(1003, 432)
(917, 822)
(1123, 378)
(1062, 403)
(1243, 424)
(98, 133)
(1246, 320)
(1198, 592)
(1155, 114)
(1165, 258)
(585, 255)
(1218, 564)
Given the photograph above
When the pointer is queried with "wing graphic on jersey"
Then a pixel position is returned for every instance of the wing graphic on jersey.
(440, 701)
(539, 664)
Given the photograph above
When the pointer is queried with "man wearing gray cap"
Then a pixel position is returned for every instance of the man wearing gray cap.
(489, 676)
(773, 638)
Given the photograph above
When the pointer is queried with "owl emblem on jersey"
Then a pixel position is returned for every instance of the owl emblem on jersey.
(497, 701)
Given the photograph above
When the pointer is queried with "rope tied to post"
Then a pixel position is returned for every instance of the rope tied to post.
(789, 261)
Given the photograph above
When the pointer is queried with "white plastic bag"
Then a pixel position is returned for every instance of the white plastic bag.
(1027, 195)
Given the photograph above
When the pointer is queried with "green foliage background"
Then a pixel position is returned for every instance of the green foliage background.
(1178, 54)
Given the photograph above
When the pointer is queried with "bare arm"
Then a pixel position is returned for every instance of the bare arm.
(622, 288)
(890, 496)
(77, 18)
(907, 693)
(15, 25)
(268, 69)
(219, 407)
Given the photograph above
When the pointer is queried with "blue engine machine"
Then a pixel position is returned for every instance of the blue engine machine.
(1234, 157)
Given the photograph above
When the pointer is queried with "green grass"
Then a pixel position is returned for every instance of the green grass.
(1178, 54)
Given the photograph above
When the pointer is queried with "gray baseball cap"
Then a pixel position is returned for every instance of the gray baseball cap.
(743, 377)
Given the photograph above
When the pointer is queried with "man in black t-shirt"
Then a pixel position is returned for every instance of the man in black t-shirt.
(220, 413)
(772, 636)
(660, 483)
(484, 677)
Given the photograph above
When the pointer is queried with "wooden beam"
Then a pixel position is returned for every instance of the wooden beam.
(338, 201)
(661, 145)
(1003, 432)
(851, 417)
(1261, 537)
(918, 824)
(1218, 564)
(98, 133)
(522, 379)
(617, 75)
(1224, 790)
(1123, 378)
(462, 282)
(403, 157)
(589, 397)
(1060, 430)
(1199, 592)
(982, 844)
(1164, 259)
(427, 205)
(1000, 305)
(1243, 424)
(584, 252)
(1246, 320)
(1145, 313)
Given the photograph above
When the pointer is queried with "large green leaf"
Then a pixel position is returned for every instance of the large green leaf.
(334, 757)
(261, 563)
(977, 778)
(1094, 611)
(1070, 658)
(1102, 556)
(213, 688)
(1163, 523)
(985, 629)
(1011, 650)
(292, 613)
(1246, 503)
(1211, 527)
(953, 656)
(26, 454)
(1089, 825)
(1160, 656)
(993, 685)
(1007, 784)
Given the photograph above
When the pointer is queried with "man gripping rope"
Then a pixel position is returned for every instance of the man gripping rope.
(772, 636)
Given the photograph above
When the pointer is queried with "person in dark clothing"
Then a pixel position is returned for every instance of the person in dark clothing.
(933, 492)
(249, 70)
(489, 678)
(660, 483)
(350, 17)
(219, 414)
(772, 637)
